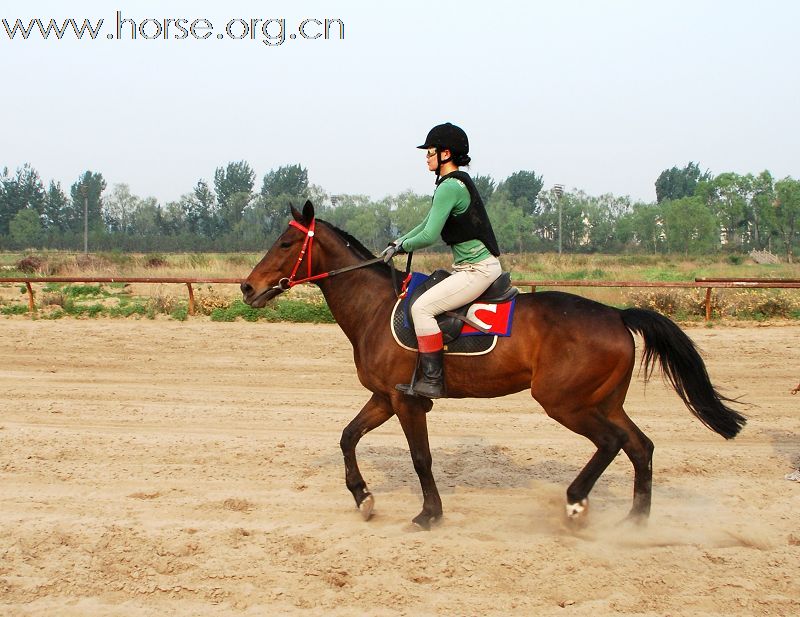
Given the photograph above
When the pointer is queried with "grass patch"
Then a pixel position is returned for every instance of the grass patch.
(14, 309)
(295, 311)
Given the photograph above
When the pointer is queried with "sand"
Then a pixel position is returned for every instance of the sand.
(166, 468)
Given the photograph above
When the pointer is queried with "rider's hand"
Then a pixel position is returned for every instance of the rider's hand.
(390, 251)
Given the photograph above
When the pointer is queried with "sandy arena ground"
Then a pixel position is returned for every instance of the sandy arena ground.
(164, 468)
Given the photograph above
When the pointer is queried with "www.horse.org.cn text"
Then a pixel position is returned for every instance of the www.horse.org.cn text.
(272, 32)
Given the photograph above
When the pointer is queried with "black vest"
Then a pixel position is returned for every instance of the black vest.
(473, 223)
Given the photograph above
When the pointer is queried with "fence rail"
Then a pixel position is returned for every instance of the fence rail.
(117, 279)
(708, 284)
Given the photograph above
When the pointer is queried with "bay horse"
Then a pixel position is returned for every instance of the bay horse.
(576, 355)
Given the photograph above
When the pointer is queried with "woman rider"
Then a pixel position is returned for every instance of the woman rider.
(457, 214)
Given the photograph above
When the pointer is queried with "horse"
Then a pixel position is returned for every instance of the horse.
(576, 355)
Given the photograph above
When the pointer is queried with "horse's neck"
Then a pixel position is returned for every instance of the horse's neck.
(356, 298)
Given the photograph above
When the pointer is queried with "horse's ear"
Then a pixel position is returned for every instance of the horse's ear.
(296, 214)
(308, 212)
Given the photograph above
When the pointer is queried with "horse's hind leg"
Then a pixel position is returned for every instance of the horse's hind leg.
(609, 439)
(377, 410)
(639, 449)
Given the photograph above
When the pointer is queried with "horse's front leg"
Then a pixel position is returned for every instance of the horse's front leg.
(411, 411)
(377, 410)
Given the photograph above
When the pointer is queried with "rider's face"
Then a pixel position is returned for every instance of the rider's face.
(432, 160)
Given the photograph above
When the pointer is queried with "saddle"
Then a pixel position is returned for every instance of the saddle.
(452, 323)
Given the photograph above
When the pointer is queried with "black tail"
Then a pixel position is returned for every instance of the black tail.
(682, 365)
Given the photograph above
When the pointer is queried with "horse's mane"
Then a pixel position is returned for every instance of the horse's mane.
(354, 243)
(356, 247)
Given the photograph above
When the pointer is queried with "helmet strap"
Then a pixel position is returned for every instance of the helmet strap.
(440, 162)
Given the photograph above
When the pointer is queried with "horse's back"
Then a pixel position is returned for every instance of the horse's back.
(574, 343)
(569, 312)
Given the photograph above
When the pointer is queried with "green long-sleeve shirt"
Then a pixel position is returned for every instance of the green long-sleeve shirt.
(451, 196)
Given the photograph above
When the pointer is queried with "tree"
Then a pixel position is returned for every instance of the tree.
(234, 179)
(201, 211)
(677, 183)
(787, 213)
(485, 186)
(763, 212)
(118, 207)
(642, 226)
(26, 228)
(727, 198)
(689, 225)
(146, 218)
(407, 210)
(55, 210)
(523, 189)
(512, 228)
(286, 180)
(91, 185)
(602, 215)
(24, 190)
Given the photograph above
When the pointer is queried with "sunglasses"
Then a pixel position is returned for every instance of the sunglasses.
(430, 155)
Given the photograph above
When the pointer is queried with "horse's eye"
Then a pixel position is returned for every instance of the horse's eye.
(285, 245)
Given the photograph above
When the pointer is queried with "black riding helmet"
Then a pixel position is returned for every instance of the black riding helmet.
(448, 136)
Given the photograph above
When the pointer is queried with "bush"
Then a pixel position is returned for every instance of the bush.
(30, 264)
(156, 261)
(13, 309)
(180, 314)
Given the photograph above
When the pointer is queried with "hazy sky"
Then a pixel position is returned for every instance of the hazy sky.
(599, 95)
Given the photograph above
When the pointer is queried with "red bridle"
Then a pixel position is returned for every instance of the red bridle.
(285, 284)
(308, 244)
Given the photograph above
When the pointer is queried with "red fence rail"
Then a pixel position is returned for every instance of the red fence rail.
(699, 283)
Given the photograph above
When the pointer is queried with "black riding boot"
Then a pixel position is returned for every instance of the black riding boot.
(431, 384)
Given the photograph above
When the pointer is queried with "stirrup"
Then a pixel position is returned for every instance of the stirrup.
(408, 388)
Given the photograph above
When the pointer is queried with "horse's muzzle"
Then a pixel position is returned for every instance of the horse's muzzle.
(258, 300)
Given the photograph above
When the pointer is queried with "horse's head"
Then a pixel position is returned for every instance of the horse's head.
(275, 272)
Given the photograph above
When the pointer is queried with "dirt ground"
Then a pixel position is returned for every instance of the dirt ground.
(154, 468)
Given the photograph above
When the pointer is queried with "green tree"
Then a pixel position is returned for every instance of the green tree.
(730, 197)
(523, 189)
(642, 227)
(787, 213)
(602, 215)
(407, 210)
(201, 211)
(24, 190)
(677, 183)
(763, 212)
(91, 185)
(689, 226)
(234, 188)
(26, 228)
(55, 210)
(117, 208)
(286, 180)
(485, 186)
(145, 218)
(512, 228)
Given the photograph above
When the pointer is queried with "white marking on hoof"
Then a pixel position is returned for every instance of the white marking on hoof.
(577, 510)
(366, 506)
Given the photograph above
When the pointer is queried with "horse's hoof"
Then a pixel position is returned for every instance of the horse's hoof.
(577, 512)
(366, 507)
(637, 519)
(423, 521)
